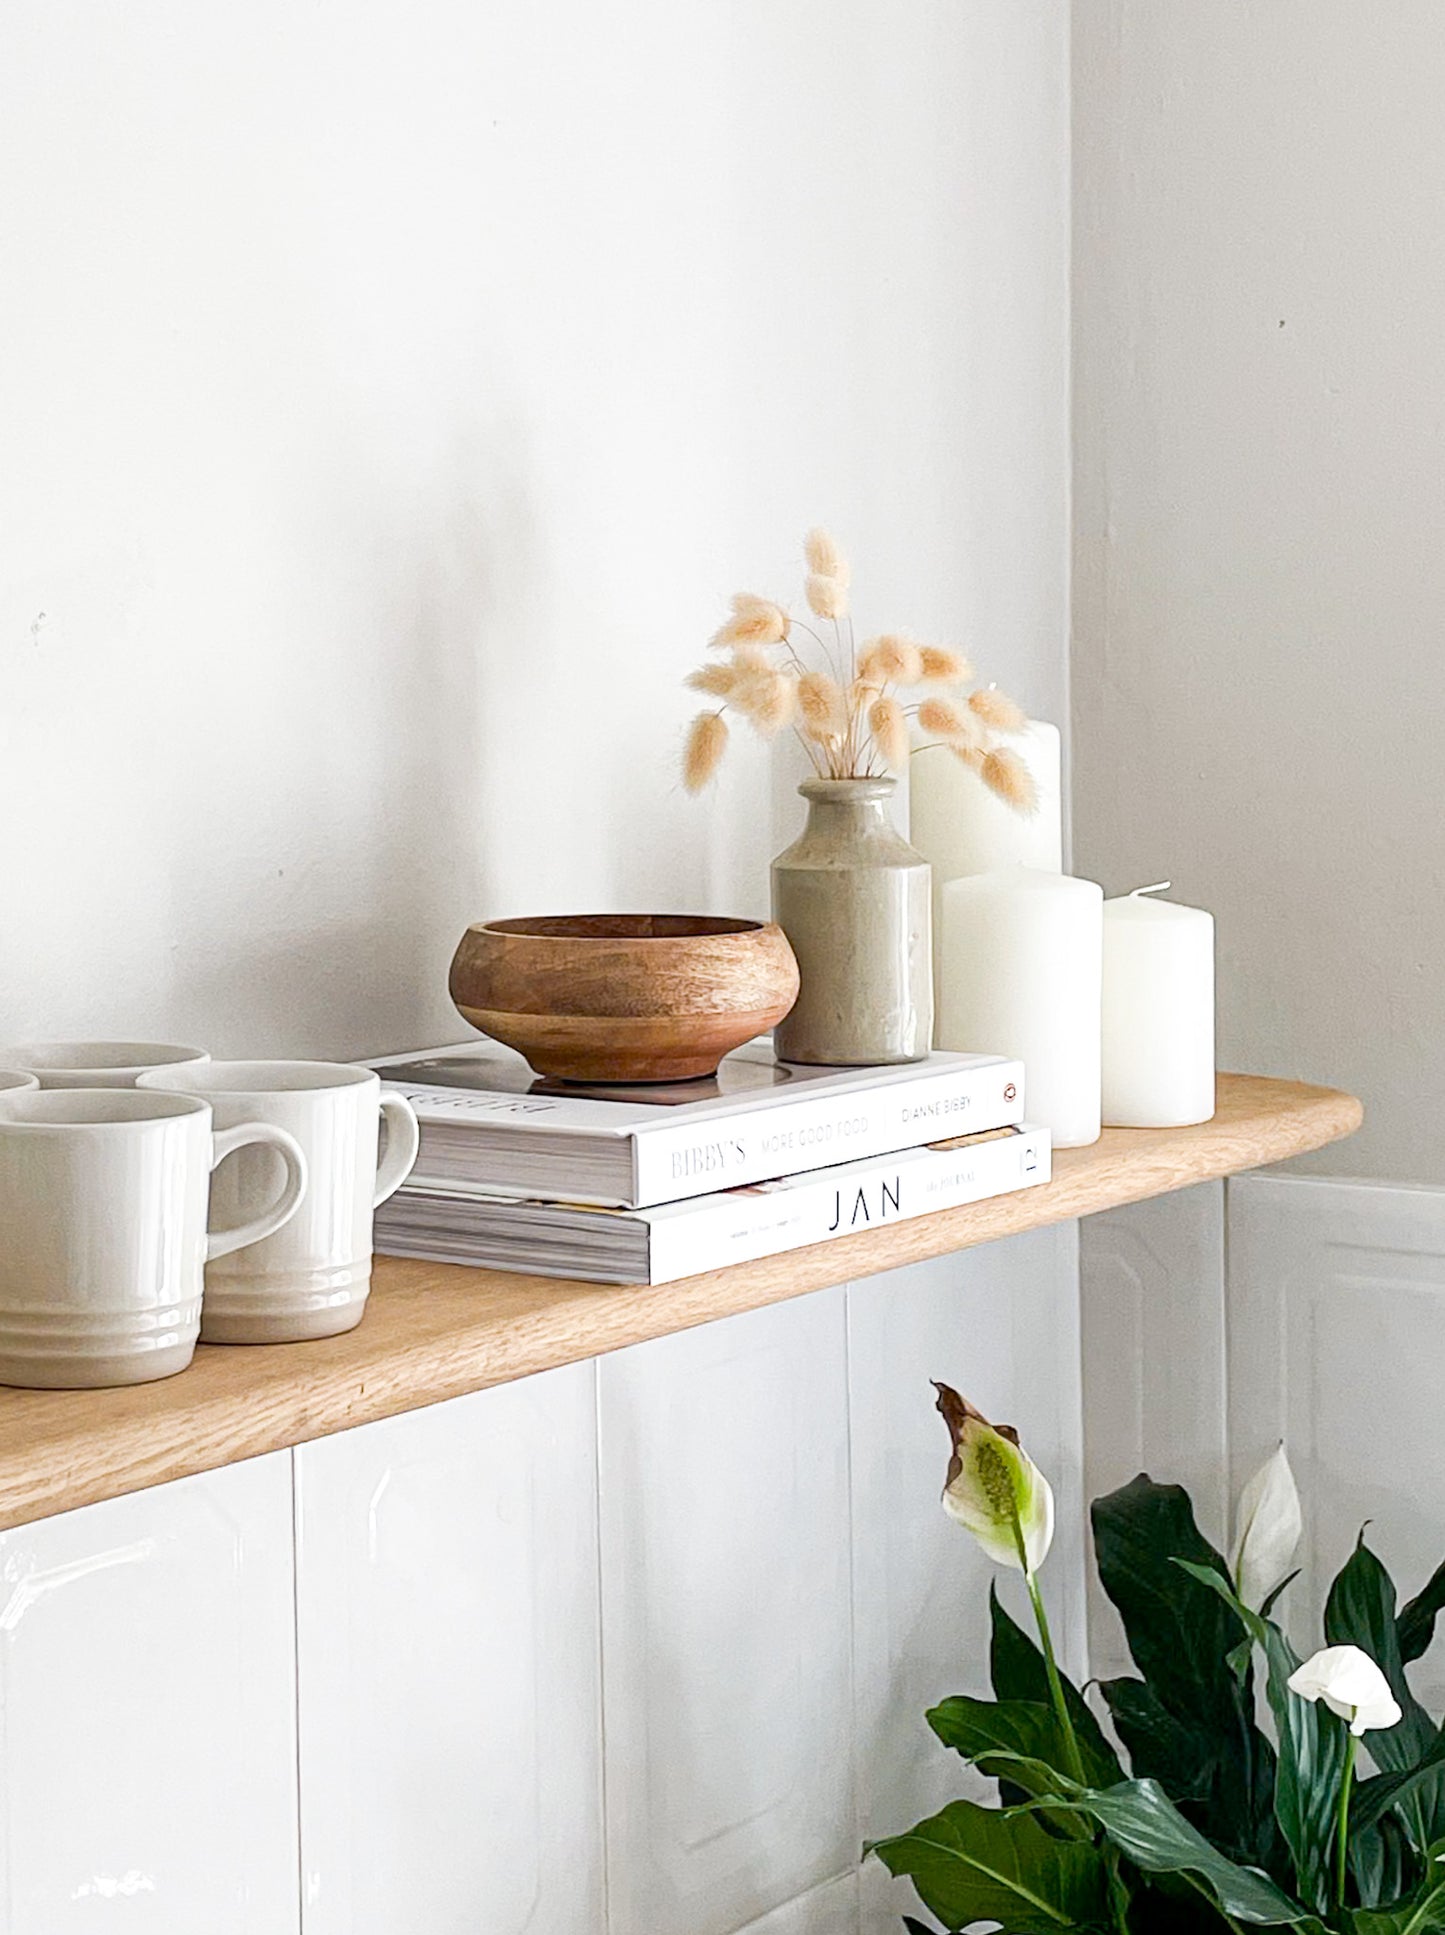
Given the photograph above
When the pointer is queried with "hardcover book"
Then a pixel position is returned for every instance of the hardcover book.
(487, 1120)
(457, 1224)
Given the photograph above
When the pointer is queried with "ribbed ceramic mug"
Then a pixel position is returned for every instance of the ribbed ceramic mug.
(98, 1064)
(312, 1278)
(103, 1230)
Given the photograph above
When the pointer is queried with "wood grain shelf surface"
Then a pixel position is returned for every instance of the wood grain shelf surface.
(435, 1331)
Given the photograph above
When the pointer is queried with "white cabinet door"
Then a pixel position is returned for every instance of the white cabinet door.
(829, 1910)
(726, 1619)
(1154, 1372)
(147, 1685)
(1001, 1325)
(447, 1609)
(1336, 1344)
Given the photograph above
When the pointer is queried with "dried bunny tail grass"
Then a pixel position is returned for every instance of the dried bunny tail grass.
(860, 696)
(890, 731)
(825, 558)
(950, 722)
(972, 756)
(820, 702)
(890, 660)
(707, 741)
(996, 709)
(719, 681)
(939, 666)
(755, 621)
(827, 598)
(1005, 773)
(752, 672)
(767, 699)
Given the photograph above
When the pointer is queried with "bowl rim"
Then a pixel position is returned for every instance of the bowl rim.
(563, 927)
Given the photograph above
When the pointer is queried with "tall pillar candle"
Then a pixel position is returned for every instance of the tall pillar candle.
(1020, 975)
(961, 828)
(1158, 1013)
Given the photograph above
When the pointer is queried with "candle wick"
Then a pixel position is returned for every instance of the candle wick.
(1159, 887)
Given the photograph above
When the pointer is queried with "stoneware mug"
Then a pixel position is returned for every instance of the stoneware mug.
(311, 1278)
(98, 1064)
(103, 1208)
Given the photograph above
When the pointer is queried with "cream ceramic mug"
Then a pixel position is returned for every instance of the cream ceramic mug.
(103, 1230)
(98, 1064)
(311, 1278)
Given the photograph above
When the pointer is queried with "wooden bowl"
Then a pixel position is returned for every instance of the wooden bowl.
(624, 997)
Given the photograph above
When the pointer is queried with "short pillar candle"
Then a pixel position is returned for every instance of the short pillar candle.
(1158, 1013)
(1020, 975)
(961, 828)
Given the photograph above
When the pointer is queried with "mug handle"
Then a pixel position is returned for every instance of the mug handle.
(403, 1139)
(222, 1242)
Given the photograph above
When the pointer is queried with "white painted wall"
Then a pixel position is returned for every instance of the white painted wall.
(1260, 583)
(390, 394)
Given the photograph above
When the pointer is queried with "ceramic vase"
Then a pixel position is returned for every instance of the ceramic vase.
(854, 900)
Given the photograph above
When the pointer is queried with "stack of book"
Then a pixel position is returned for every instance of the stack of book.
(648, 1184)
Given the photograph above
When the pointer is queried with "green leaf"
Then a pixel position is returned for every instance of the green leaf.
(1422, 1914)
(1415, 1628)
(1143, 1823)
(1185, 1644)
(1385, 1866)
(1311, 1751)
(1160, 1747)
(1373, 1797)
(978, 1728)
(1178, 1632)
(1360, 1612)
(1165, 1905)
(972, 1863)
(1016, 1667)
(916, 1927)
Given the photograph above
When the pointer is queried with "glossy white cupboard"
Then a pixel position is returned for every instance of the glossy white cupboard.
(636, 1647)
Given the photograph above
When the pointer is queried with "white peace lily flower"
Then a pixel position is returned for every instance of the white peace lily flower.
(1350, 1684)
(991, 1483)
(1268, 1525)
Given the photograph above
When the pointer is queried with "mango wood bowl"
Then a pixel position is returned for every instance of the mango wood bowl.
(624, 997)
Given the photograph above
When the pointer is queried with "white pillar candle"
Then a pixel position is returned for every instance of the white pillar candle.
(1158, 1009)
(1020, 975)
(961, 828)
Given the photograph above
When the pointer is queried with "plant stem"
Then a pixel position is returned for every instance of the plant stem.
(1200, 1888)
(1056, 1685)
(1117, 1896)
(1343, 1832)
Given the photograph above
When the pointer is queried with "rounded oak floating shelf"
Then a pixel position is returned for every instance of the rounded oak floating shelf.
(438, 1331)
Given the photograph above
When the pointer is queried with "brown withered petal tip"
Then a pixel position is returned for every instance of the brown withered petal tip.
(956, 1412)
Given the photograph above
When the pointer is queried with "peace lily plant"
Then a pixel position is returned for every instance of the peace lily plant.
(1217, 1822)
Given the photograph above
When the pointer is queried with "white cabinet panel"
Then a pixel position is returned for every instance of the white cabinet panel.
(1337, 1343)
(829, 1910)
(147, 1685)
(999, 1323)
(447, 1607)
(726, 1619)
(1154, 1374)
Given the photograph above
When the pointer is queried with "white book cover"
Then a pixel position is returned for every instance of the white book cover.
(673, 1240)
(487, 1119)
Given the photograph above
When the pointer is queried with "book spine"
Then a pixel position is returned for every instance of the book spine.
(747, 1225)
(788, 1138)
